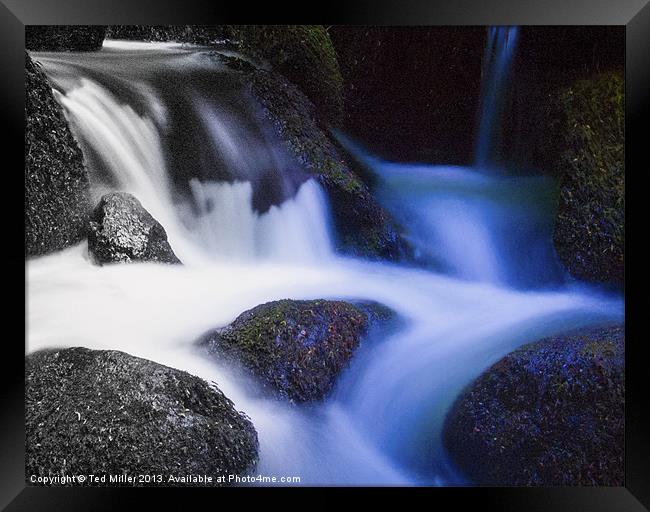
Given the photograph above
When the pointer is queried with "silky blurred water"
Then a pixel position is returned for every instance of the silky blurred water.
(491, 288)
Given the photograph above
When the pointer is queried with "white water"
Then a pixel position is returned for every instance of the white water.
(381, 425)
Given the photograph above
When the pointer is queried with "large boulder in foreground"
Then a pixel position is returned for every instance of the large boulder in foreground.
(121, 230)
(296, 347)
(74, 38)
(56, 181)
(550, 413)
(109, 413)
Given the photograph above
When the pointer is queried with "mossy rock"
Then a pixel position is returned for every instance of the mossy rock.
(72, 38)
(56, 181)
(297, 348)
(108, 413)
(303, 54)
(363, 227)
(590, 227)
(550, 413)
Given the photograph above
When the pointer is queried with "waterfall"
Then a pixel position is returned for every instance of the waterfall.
(171, 126)
(499, 51)
(239, 195)
(470, 224)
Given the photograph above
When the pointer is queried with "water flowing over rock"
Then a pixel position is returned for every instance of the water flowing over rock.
(550, 413)
(56, 182)
(109, 413)
(364, 228)
(121, 230)
(298, 348)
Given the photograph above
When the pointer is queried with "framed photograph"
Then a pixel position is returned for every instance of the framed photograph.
(380, 246)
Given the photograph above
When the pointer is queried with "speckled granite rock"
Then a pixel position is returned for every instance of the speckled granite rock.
(549, 413)
(121, 230)
(107, 412)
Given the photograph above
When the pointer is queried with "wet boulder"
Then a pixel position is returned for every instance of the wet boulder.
(56, 181)
(121, 230)
(109, 413)
(550, 413)
(297, 348)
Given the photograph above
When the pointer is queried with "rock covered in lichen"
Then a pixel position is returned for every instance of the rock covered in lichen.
(56, 181)
(109, 413)
(550, 413)
(121, 230)
(297, 348)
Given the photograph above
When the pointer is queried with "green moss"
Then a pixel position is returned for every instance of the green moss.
(297, 348)
(588, 126)
(305, 55)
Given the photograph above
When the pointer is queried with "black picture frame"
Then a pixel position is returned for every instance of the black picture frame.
(633, 14)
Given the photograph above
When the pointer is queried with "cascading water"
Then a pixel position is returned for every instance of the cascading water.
(131, 103)
(499, 52)
(118, 107)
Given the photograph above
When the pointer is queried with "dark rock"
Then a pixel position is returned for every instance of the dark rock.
(195, 34)
(550, 413)
(566, 119)
(301, 53)
(121, 230)
(75, 38)
(305, 56)
(56, 181)
(296, 347)
(590, 227)
(109, 413)
(363, 227)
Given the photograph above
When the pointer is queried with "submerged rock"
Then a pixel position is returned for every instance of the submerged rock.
(121, 230)
(56, 181)
(109, 413)
(296, 347)
(549, 413)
